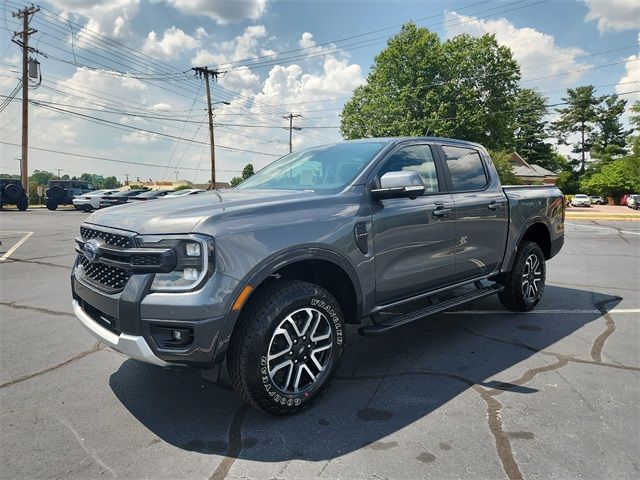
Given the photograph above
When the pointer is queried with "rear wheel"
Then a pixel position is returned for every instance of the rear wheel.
(286, 347)
(525, 282)
(22, 204)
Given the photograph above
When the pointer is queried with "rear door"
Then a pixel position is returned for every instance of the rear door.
(413, 239)
(481, 211)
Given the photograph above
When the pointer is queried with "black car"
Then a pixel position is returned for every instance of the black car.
(61, 192)
(119, 198)
(150, 195)
(12, 193)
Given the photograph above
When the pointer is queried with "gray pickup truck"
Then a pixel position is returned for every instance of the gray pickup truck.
(376, 232)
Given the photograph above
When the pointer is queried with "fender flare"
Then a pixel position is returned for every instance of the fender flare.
(532, 221)
(272, 264)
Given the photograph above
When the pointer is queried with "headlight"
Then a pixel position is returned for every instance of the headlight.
(195, 256)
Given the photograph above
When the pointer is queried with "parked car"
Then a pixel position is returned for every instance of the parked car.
(118, 198)
(184, 192)
(597, 200)
(623, 199)
(381, 232)
(91, 201)
(581, 200)
(62, 192)
(151, 195)
(633, 201)
(12, 193)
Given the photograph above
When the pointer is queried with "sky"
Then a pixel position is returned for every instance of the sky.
(117, 85)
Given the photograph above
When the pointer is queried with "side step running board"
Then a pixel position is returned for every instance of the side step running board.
(385, 326)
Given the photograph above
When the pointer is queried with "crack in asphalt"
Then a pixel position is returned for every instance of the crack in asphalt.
(610, 327)
(93, 349)
(36, 262)
(57, 313)
(235, 444)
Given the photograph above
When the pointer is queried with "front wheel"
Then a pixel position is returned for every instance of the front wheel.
(525, 282)
(22, 204)
(51, 205)
(286, 347)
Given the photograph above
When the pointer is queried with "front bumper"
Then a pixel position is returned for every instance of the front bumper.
(130, 321)
(133, 346)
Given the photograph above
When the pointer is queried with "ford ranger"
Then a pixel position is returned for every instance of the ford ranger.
(264, 277)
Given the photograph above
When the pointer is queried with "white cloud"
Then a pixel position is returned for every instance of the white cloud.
(306, 41)
(161, 107)
(139, 138)
(174, 41)
(106, 17)
(614, 15)
(222, 11)
(632, 74)
(537, 52)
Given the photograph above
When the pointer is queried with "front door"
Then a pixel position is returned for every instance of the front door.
(413, 239)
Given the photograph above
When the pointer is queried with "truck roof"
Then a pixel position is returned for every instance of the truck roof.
(402, 139)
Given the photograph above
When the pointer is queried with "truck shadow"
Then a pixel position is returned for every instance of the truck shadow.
(383, 385)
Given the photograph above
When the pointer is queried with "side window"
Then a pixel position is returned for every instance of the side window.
(465, 167)
(416, 158)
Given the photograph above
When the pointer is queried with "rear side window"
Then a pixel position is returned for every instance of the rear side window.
(465, 167)
(415, 158)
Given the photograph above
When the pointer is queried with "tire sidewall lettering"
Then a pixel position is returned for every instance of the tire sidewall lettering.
(288, 400)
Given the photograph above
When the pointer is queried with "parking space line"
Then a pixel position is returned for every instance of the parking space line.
(606, 229)
(16, 246)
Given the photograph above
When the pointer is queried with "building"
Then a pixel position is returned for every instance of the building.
(158, 185)
(531, 174)
(207, 186)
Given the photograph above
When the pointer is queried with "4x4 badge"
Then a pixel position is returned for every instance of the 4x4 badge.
(91, 250)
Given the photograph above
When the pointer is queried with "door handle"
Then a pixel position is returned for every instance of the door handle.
(494, 206)
(441, 212)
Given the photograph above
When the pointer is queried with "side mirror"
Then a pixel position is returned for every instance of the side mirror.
(404, 184)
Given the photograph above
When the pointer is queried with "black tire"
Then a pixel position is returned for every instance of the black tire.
(255, 338)
(514, 297)
(22, 204)
(51, 205)
(55, 193)
(13, 192)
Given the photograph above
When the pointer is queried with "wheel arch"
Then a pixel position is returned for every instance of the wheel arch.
(322, 266)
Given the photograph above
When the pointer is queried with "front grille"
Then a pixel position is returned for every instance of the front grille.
(105, 276)
(146, 259)
(113, 239)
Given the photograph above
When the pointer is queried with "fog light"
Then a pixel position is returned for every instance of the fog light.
(193, 249)
(176, 335)
(190, 274)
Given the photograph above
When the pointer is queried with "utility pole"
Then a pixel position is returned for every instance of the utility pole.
(207, 73)
(291, 116)
(22, 39)
(126, 181)
(59, 170)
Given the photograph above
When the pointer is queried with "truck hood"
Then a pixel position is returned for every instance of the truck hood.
(181, 215)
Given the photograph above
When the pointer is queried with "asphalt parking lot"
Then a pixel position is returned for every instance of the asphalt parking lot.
(480, 393)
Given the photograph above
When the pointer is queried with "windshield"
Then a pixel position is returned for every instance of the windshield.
(320, 168)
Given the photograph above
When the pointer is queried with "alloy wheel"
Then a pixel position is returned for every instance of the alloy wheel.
(532, 278)
(300, 350)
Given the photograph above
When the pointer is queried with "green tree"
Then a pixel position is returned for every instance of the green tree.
(568, 182)
(502, 162)
(530, 128)
(41, 177)
(247, 171)
(463, 87)
(578, 117)
(615, 179)
(611, 138)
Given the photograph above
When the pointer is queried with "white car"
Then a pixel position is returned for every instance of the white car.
(581, 200)
(91, 201)
(183, 193)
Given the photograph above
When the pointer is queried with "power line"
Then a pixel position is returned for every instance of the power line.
(105, 159)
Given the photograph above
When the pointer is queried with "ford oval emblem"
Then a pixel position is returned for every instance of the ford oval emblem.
(90, 250)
